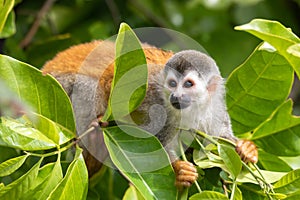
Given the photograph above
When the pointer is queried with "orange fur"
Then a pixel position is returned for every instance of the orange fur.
(96, 59)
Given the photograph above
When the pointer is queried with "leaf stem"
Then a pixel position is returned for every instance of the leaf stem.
(233, 190)
(204, 135)
(263, 178)
(260, 180)
(185, 159)
(86, 132)
(51, 153)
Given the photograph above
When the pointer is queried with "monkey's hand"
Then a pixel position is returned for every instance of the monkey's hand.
(247, 151)
(97, 122)
(186, 173)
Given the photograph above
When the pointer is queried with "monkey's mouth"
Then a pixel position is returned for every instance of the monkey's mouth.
(180, 105)
(181, 102)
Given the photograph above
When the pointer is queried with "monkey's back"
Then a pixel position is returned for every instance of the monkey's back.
(96, 60)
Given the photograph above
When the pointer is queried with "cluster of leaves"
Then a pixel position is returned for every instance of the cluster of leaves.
(43, 147)
(257, 93)
(37, 137)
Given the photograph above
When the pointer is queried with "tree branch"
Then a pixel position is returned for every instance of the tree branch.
(28, 38)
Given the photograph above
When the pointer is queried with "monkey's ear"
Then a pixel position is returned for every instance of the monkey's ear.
(213, 83)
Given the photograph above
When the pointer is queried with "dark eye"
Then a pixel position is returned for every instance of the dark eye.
(172, 83)
(188, 84)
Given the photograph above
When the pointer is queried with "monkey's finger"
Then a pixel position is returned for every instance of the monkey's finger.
(187, 173)
(185, 178)
(251, 155)
(180, 184)
(184, 165)
(247, 151)
(243, 144)
(94, 123)
(101, 123)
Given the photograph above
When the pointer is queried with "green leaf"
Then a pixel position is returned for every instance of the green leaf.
(9, 26)
(16, 189)
(250, 89)
(75, 183)
(292, 161)
(246, 177)
(272, 163)
(22, 136)
(5, 7)
(59, 135)
(280, 135)
(231, 160)
(277, 35)
(132, 194)
(252, 192)
(43, 93)
(128, 90)
(294, 50)
(208, 195)
(142, 159)
(11, 165)
(237, 194)
(293, 196)
(289, 183)
(48, 178)
(208, 159)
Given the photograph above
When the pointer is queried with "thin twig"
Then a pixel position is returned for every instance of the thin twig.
(28, 38)
(185, 159)
(147, 12)
(114, 11)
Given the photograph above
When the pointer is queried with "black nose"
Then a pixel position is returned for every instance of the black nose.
(180, 102)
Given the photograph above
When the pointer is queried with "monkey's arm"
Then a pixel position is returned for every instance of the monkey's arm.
(186, 172)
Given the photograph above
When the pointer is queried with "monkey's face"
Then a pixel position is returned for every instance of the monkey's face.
(185, 90)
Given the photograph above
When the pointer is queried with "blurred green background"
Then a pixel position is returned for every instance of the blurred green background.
(62, 23)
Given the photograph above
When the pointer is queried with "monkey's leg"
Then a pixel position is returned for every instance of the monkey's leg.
(247, 151)
(83, 96)
(186, 173)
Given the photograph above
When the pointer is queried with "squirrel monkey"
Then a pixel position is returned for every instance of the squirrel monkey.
(187, 85)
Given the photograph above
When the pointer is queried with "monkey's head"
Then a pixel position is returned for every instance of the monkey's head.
(190, 79)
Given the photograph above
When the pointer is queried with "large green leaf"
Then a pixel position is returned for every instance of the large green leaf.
(75, 183)
(9, 26)
(293, 196)
(231, 160)
(22, 136)
(48, 178)
(256, 88)
(209, 195)
(251, 192)
(132, 194)
(246, 177)
(5, 7)
(16, 189)
(288, 184)
(280, 135)
(12, 165)
(50, 129)
(142, 159)
(130, 75)
(272, 163)
(43, 93)
(277, 35)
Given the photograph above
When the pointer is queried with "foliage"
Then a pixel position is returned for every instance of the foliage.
(45, 162)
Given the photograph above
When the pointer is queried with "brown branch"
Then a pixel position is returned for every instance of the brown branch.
(114, 11)
(147, 12)
(28, 38)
